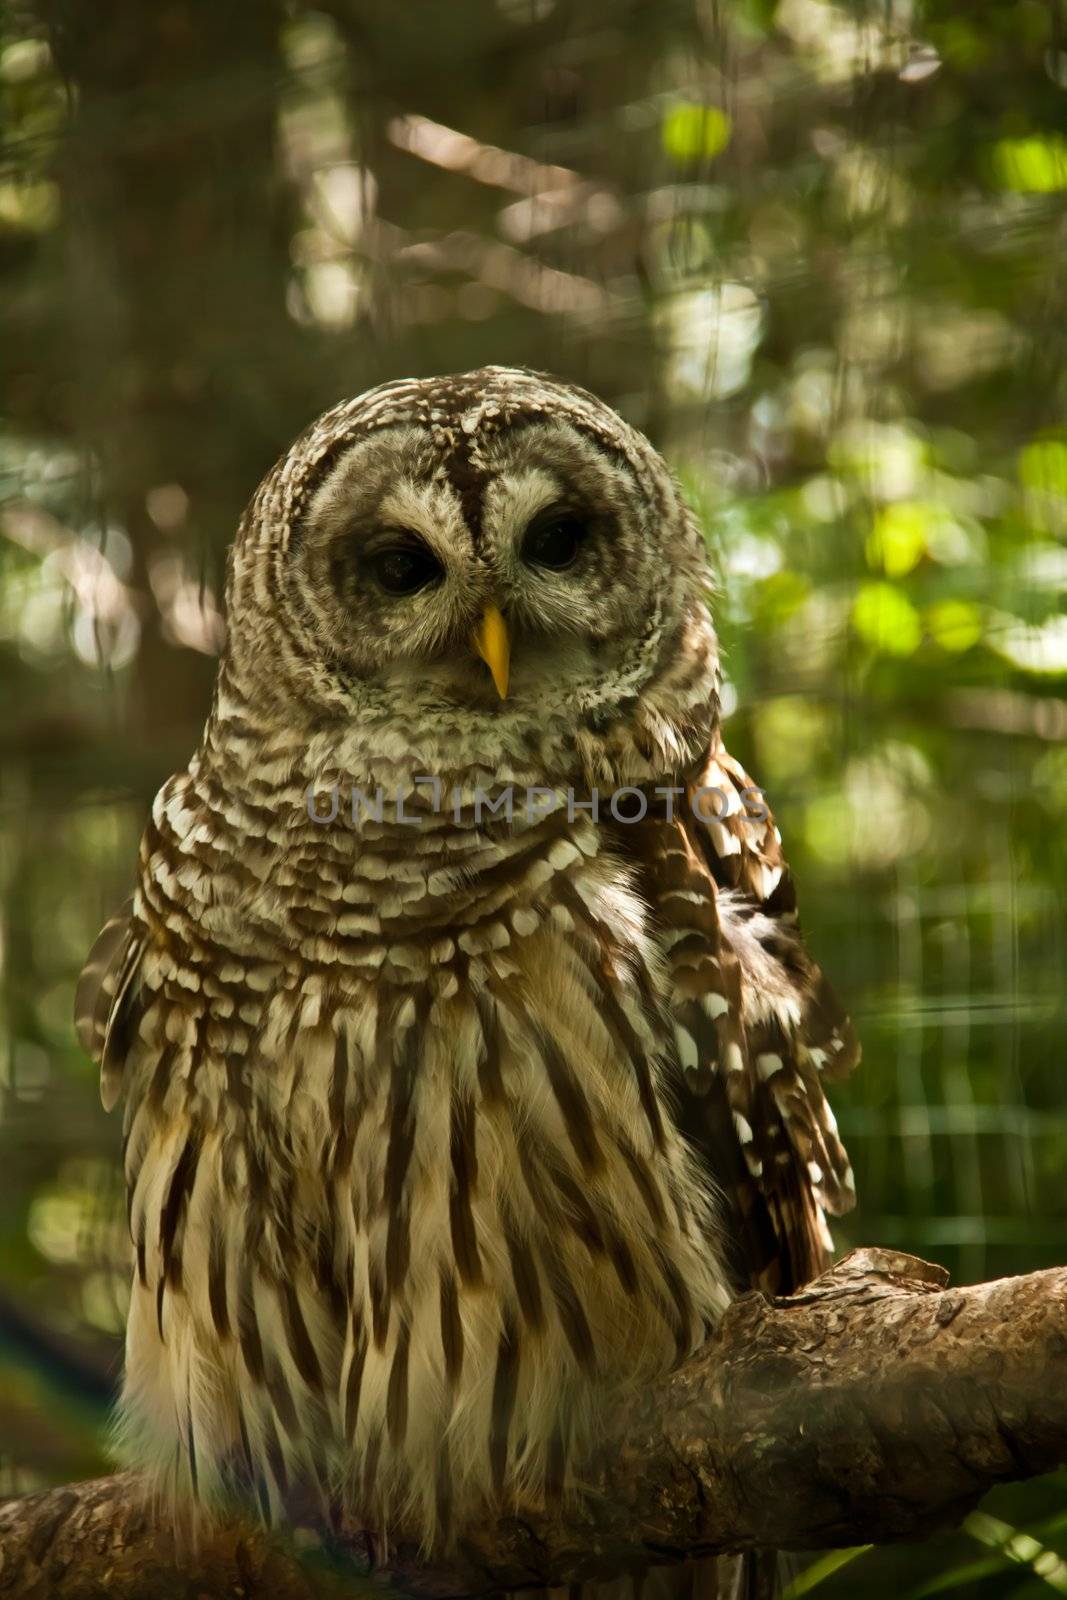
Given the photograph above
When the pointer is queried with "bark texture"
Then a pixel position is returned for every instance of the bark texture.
(877, 1405)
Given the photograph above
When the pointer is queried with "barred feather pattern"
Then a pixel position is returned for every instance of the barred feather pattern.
(444, 1136)
(415, 1205)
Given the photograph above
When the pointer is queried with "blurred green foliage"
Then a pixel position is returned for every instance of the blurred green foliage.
(816, 250)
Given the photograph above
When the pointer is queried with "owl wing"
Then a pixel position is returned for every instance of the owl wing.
(107, 1000)
(757, 1027)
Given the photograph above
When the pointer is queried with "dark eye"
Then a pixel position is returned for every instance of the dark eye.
(404, 568)
(553, 539)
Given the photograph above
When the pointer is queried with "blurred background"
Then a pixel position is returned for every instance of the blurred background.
(816, 251)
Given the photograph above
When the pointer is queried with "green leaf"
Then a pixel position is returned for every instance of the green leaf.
(1032, 165)
(955, 625)
(1043, 466)
(693, 133)
(886, 620)
(897, 542)
(1019, 1547)
(821, 1569)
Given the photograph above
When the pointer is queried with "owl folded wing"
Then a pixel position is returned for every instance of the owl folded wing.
(757, 1027)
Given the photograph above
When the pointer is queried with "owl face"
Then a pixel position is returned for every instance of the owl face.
(558, 551)
(495, 554)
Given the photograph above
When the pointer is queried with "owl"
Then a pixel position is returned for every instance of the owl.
(471, 1056)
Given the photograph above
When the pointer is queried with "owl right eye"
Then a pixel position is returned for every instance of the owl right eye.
(404, 568)
(553, 539)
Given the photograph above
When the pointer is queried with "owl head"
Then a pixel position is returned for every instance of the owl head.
(490, 570)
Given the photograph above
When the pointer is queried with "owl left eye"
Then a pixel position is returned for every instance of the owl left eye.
(404, 568)
(553, 539)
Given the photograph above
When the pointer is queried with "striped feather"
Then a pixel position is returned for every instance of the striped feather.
(754, 1022)
(105, 1001)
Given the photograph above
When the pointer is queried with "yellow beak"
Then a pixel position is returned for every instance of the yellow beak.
(492, 644)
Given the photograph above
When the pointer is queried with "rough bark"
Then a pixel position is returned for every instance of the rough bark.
(877, 1405)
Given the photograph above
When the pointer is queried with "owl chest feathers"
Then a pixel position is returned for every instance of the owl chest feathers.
(409, 1205)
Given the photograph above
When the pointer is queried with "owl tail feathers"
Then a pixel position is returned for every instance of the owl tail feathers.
(761, 1575)
(754, 1575)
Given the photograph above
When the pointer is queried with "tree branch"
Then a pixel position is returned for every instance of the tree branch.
(877, 1405)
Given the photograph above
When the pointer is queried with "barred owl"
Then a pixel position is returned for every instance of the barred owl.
(449, 1123)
